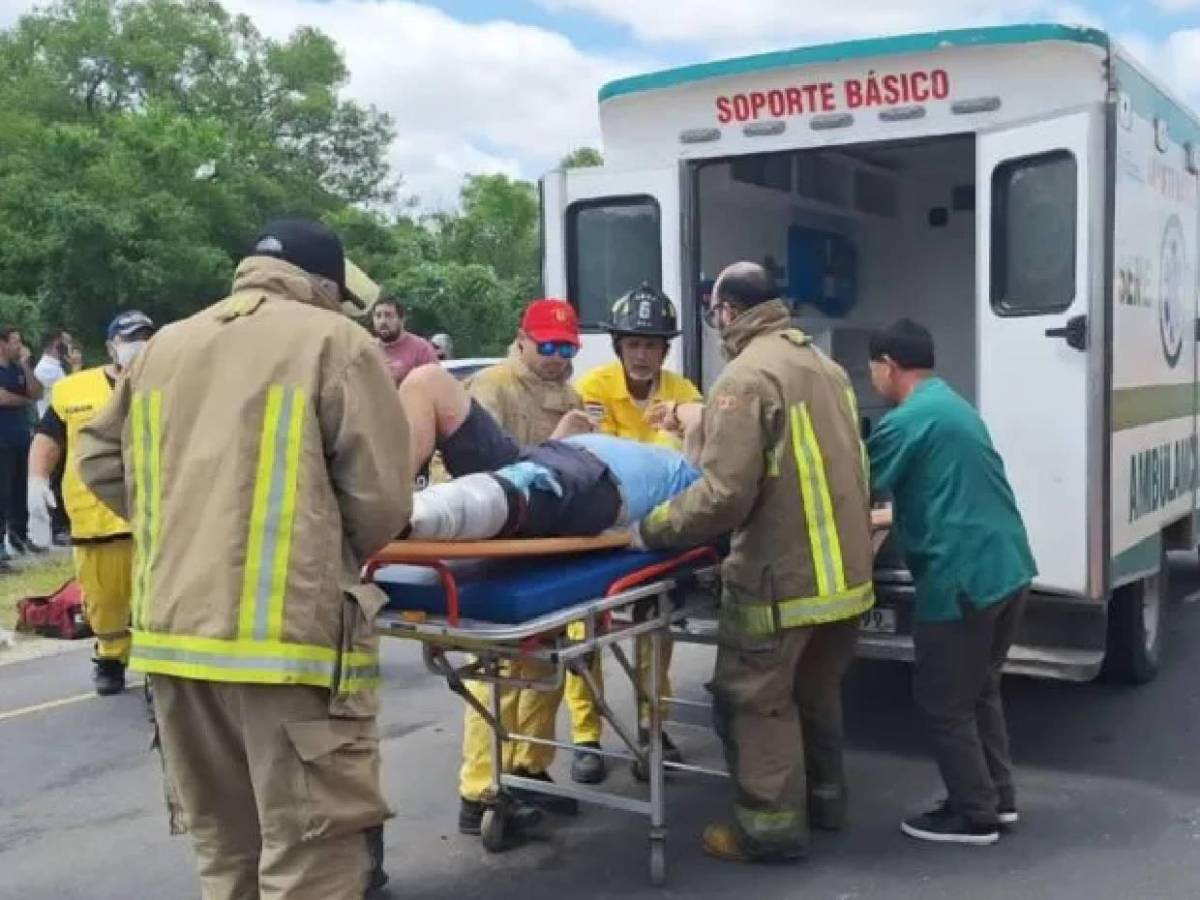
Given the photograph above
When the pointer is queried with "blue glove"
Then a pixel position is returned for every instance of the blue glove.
(526, 475)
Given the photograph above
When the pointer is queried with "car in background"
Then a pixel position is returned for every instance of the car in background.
(462, 369)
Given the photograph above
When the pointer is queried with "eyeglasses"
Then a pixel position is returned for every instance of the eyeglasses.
(563, 349)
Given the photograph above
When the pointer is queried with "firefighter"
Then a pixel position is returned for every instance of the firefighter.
(528, 395)
(260, 452)
(784, 470)
(102, 541)
(619, 395)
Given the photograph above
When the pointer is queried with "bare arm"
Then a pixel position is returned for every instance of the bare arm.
(366, 436)
(44, 456)
(8, 398)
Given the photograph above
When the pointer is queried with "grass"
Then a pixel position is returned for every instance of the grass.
(31, 579)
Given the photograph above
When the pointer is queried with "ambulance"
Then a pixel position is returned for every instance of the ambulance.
(1028, 193)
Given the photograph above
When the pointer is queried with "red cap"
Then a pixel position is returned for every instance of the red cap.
(550, 320)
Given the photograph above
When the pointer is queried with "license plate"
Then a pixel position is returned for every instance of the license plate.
(879, 620)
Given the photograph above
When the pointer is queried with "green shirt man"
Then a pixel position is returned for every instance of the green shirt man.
(955, 514)
(957, 520)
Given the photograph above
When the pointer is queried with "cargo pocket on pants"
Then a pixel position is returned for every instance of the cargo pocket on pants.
(355, 691)
(338, 777)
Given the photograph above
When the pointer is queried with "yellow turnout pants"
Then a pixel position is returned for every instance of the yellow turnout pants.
(105, 574)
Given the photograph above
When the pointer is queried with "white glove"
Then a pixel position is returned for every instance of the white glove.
(40, 498)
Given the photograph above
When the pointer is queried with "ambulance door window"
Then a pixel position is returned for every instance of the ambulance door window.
(613, 245)
(1034, 234)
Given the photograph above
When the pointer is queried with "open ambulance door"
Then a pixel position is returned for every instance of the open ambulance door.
(1041, 307)
(606, 231)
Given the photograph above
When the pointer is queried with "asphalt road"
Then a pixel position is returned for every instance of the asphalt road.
(1110, 797)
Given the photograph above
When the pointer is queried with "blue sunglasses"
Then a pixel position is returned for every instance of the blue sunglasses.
(549, 348)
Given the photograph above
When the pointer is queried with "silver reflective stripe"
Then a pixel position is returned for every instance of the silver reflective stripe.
(271, 525)
(224, 661)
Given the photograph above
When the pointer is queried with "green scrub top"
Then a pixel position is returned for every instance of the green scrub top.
(954, 512)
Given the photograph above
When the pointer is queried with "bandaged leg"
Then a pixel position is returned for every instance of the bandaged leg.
(471, 508)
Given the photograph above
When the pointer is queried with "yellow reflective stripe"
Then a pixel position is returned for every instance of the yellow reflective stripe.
(862, 448)
(257, 662)
(155, 491)
(659, 516)
(773, 462)
(818, 507)
(286, 515)
(767, 825)
(758, 619)
(821, 610)
(140, 545)
(224, 647)
(147, 477)
(213, 659)
(192, 668)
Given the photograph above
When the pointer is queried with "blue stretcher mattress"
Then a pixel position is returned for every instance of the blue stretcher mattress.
(511, 591)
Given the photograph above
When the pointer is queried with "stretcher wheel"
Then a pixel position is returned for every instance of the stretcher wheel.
(640, 770)
(491, 830)
(658, 862)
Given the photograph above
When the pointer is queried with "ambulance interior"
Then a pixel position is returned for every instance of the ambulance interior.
(857, 236)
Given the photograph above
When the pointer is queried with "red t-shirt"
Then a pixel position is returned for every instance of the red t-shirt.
(406, 353)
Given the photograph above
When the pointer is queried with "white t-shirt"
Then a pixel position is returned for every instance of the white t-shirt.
(48, 371)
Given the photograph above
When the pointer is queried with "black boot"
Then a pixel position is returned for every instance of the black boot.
(378, 877)
(108, 675)
(521, 817)
(563, 806)
(588, 767)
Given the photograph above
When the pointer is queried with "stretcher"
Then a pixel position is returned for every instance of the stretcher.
(499, 602)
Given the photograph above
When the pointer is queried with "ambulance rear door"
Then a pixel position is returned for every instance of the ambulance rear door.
(606, 231)
(1041, 333)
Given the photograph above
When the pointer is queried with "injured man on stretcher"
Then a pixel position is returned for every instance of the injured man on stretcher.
(575, 484)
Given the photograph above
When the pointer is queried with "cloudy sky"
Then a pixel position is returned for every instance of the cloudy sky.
(510, 85)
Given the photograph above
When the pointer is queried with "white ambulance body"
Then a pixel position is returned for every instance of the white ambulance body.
(1027, 193)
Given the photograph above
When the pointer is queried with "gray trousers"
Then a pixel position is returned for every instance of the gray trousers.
(956, 684)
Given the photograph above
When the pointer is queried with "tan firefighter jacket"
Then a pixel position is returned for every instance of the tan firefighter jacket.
(260, 452)
(783, 469)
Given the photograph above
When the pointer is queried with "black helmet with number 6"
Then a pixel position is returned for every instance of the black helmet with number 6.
(643, 311)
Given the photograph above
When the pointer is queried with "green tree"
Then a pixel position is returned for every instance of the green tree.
(466, 300)
(143, 141)
(497, 227)
(581, 158)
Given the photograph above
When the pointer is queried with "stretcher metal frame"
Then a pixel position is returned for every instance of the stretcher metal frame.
(639, 604)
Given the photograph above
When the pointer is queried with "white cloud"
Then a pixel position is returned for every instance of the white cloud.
(496, 96)
(717, 23)
(1175, 60)
(1183, 57)
(504, 97)
(1177, 6)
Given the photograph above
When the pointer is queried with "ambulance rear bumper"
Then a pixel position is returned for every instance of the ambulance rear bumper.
(1059, 639)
